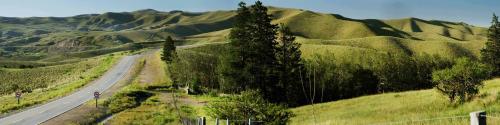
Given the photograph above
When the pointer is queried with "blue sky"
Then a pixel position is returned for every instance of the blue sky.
(476, 12)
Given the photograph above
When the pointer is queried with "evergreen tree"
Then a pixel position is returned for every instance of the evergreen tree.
(288, 55)
(491, 53)
(234, 64)
(253, 60)
(169, 53)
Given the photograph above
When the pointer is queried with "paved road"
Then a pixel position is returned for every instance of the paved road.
(52, 109)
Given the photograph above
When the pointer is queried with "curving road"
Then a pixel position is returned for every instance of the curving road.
(52, 109)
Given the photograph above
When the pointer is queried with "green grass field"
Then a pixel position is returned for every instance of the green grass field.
(403, 108)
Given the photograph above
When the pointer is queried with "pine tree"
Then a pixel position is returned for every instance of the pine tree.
(253, 44)
(491, 53)
(262, 60)
(233, 65)
(289, 59)
(169, 53)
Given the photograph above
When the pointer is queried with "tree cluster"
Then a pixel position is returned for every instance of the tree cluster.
(262, 56)
(491, 53)
(462, 81)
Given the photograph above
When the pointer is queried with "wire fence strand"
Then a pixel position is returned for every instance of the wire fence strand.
(493, 117)
(421, 120)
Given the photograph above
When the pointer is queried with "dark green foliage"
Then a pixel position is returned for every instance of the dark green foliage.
(249, 104)
(462, 81)
(400, 72)
(196, 70)
(327, 80)
(253, 40)
(491, 53)
(396, 72)
(289, 66)
(125, 100)
(169, 53)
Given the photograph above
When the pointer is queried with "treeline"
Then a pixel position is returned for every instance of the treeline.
(331, 77)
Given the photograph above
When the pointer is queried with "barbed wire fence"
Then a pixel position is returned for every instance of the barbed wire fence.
(404, 122)
(217, 121)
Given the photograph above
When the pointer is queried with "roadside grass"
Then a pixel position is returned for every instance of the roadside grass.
(151, 112)
(137, 102)
(157, 74)
(401, 108)
(60, 80)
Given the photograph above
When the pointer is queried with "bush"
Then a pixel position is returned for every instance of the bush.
(249, 104)
(462, 81)
(125, 100)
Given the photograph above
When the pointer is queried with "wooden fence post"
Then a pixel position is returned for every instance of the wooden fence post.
(227, 121)
(478, 118)
(199, 121)
(204, 121)
(216, 121)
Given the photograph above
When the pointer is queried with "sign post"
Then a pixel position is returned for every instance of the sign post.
(18, 96)
(96, 96)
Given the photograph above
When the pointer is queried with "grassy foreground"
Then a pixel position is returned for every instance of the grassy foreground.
(422, 107)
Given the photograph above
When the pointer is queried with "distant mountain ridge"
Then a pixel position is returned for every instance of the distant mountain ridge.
(116, 28)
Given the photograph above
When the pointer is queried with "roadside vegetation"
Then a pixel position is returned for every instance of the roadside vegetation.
(57, 81)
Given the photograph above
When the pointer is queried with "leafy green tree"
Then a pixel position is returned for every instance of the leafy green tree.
(288, 55)
(169, 53)
(462, 81)
(249, 105)
(491, 53)
(396, 72)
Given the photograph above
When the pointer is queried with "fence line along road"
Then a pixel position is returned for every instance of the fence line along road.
(422, 120)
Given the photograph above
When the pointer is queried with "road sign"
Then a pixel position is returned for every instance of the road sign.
(18, 94)
(96, 95)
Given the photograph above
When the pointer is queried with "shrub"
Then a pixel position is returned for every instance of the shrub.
(462, 81)
(126, 99)
(249, 104)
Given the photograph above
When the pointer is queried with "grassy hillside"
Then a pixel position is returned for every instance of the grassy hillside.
(112, 29)
(385, 44)
(403, 108)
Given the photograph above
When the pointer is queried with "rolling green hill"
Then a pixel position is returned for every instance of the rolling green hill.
(37, 38)
(421, 107)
